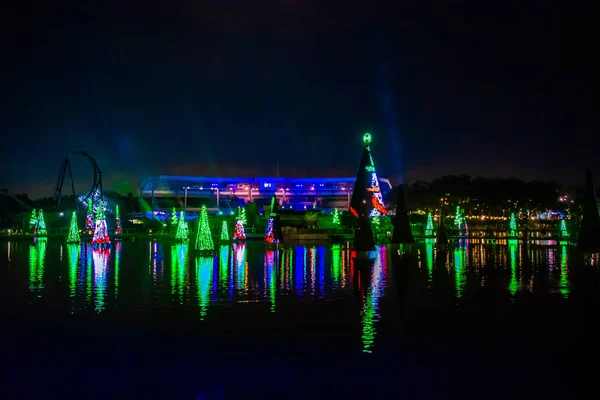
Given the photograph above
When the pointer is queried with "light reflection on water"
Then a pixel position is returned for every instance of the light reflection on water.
(260, 277)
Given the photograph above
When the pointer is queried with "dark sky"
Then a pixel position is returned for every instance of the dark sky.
(232, 87)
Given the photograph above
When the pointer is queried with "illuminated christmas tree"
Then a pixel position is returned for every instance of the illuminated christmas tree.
(118, 229)
(89, 218)
(33, 220)
(238, 232)
(224, 232)
(273, 233)
(41, 228)
(564, 233)
(182, 228)
(512, 226)
(100, 230)
(366, 188)
(336, 218)
(204, 240)
(73, 236)
(429, 227)
(241, 215)
(174, 222)
(460, 223)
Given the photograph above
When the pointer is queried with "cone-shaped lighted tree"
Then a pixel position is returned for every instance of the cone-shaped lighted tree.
(238, 232)
(241, 215)
(336, 218)
(460, 222)
(429, 226)
(41, 228)
(173, 218)
(564, 233)
(33, 220)
(273, 233)
(182, 228)
(73, 236)
(100, 237)
(89, 218)
(512, 227)
(204, 240)
(118, 229)
(366, 188)
(224, 232)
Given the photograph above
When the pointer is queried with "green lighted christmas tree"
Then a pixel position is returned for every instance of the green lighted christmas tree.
(182, 228)
(73, 236)
(33, 220)
(100, 230)
(336, 218)
(204, 240)
(41, 229)
(224, 232)
(118, 228)
(512, 226)
(460, 222)
(241, 215)
(564, 233)
(174, 222)
(429, 227)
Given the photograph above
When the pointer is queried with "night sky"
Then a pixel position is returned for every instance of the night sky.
(232, 87)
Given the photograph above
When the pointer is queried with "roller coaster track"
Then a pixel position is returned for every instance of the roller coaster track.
(66, 166)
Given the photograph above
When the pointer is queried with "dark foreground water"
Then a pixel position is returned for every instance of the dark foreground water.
(155, 320)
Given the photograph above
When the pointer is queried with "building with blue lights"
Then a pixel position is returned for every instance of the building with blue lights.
(190, 192)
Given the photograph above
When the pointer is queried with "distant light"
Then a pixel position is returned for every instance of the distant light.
(61, 214)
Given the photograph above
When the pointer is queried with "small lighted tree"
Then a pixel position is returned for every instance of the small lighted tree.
(182, 228)
(241, 215)
(429, 227)
(336, 218)
(512, 226)
(118, 229)
(100, 230)
(73, 236)
(89, 218)
(41, 228)
(204, 240)
(33, 220)
(564, 233)
(239, 232)
(270, 232)
(173, 218)
(224, 232)
(460, 223)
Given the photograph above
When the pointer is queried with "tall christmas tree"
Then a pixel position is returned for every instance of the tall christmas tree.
(238, 232)
(429, 227)
(118, 229)
(512, 226)
(89, 218)
(224, 232)
(336, 218)
(241, 215)
(73, 236)
(41, 228)
(204, 240)
(33, 220)
(366, 188)
(100, 230)
(273, 233)
(173, 218)
(182, 228)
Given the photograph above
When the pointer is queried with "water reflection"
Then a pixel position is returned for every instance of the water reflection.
(374, 292)
(204, 275)
(37, 259)
(298, 276)
(101, 258)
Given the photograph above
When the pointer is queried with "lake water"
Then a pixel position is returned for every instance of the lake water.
(155, 319)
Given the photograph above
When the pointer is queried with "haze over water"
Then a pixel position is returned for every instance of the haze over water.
(152, 315)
